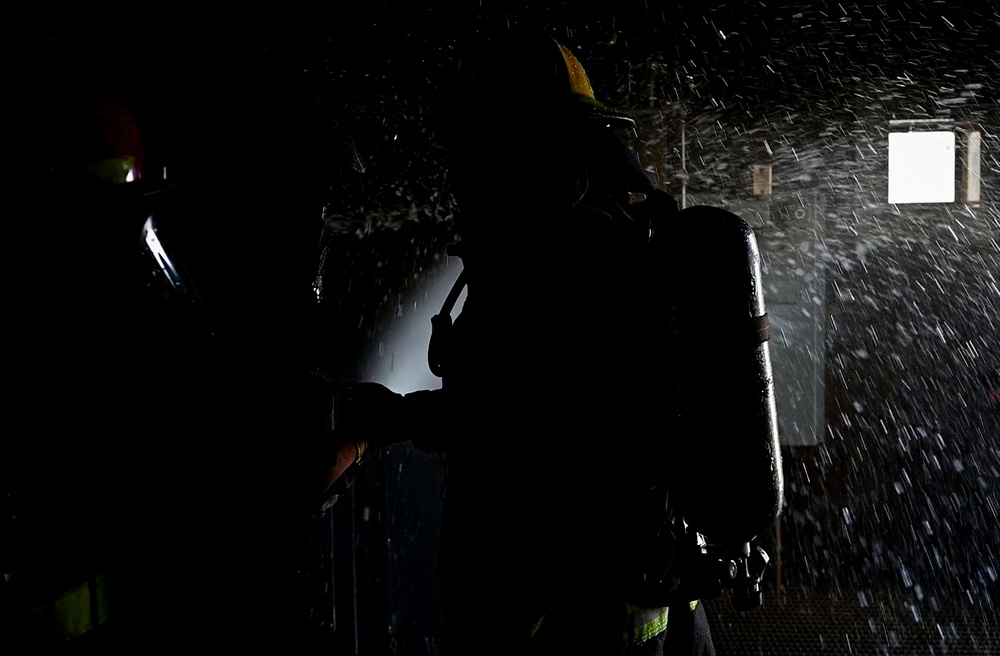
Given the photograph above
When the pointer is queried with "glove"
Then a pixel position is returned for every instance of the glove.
(365, 415)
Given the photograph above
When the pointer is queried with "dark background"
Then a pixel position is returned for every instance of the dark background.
(299, 136)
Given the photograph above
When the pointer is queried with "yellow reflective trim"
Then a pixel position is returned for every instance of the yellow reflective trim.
(74, 612)
(67, 616)
(118, 170)
(648, 629)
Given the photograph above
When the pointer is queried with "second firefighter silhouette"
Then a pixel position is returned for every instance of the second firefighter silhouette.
(559, 411)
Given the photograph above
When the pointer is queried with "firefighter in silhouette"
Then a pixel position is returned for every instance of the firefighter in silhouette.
(162, 386)
(566, 431)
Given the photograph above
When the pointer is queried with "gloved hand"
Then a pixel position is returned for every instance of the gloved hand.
(366, 415)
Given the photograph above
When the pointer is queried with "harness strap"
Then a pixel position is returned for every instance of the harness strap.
(437, 348)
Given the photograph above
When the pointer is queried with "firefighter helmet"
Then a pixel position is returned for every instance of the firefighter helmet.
(524, 78)
(581, 89)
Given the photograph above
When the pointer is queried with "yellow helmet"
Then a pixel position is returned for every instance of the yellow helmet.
(579, 85)
(527, 77)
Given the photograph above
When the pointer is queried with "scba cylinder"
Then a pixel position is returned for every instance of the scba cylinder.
(719, 410)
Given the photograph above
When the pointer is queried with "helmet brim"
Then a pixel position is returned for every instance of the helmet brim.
(596, 111)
